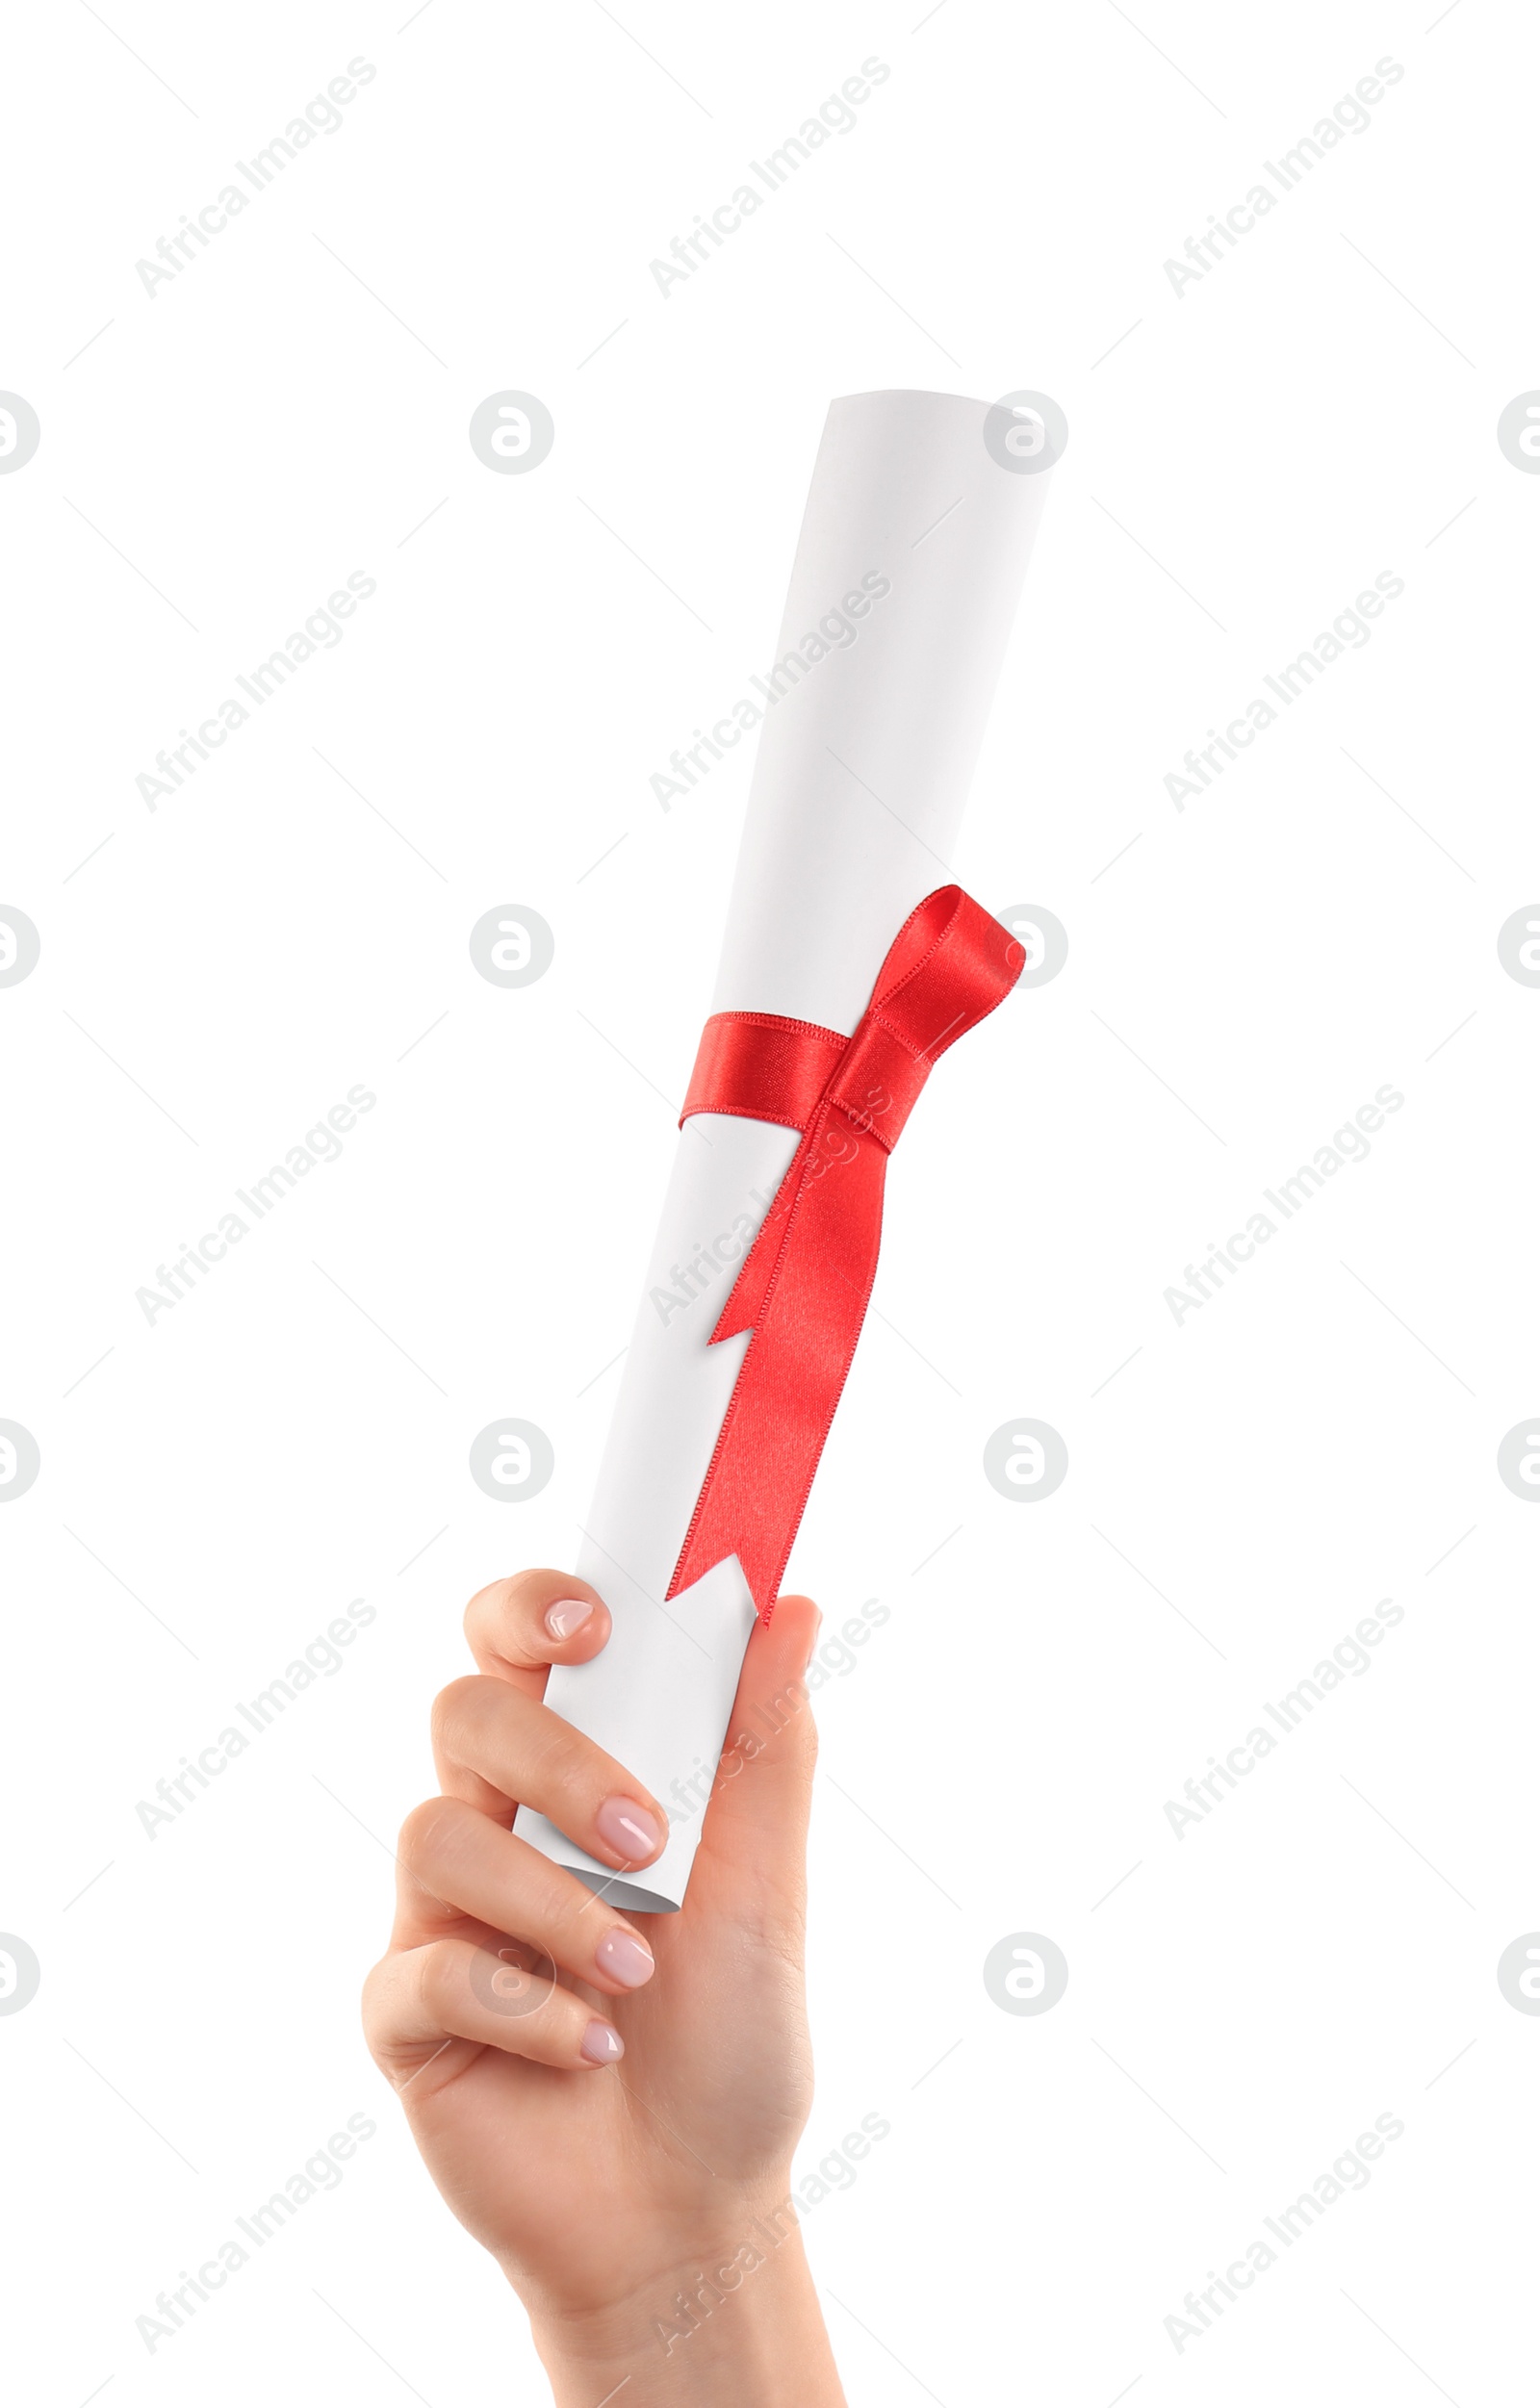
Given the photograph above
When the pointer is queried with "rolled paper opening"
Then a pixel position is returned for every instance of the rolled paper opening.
(628, 1894)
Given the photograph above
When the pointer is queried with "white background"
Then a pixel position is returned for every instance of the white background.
(1243, 975)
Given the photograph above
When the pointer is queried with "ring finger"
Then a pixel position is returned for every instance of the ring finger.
(454, 1858)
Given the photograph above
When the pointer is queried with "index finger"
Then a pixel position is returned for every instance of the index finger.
(519, 1627)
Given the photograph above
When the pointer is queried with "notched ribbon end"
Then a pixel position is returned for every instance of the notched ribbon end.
(732, 1324)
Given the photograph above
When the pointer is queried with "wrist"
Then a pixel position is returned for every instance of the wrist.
(735, 2317)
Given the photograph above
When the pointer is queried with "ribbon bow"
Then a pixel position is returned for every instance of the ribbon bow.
(805, 1282)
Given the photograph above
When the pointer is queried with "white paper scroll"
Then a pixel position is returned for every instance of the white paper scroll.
(907, 571)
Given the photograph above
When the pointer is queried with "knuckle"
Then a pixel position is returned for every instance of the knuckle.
(386, 2011)
(438, 1977)
(510, 1598)
(558, 2019)
(555, 1753)
(453, 1708)
(571, 1918)
(476, 1610)
(425, 1831)
(567, 1764)
(371, 2002)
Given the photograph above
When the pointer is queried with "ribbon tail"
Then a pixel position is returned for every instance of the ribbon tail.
(815, 1293)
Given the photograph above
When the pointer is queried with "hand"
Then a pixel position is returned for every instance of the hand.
(620, 2140)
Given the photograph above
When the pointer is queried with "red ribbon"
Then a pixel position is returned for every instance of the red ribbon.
(805, 1282)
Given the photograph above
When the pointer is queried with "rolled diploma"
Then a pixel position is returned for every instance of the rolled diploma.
(862, 771)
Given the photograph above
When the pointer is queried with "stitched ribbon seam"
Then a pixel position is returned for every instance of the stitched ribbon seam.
(804, 1285)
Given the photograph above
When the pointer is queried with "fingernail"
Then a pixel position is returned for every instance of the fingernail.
(624, 1958)
(629, 1829)
(602, 2045)
(567, 1615)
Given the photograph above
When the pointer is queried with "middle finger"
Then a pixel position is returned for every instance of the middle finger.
(452, 1856)
(489, 1737)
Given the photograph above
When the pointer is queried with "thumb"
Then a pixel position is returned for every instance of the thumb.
(757, 1817)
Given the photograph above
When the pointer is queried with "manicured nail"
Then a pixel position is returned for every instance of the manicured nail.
(629, 1829)
(602, 2045)
(567, 1615)
(624, 1958)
